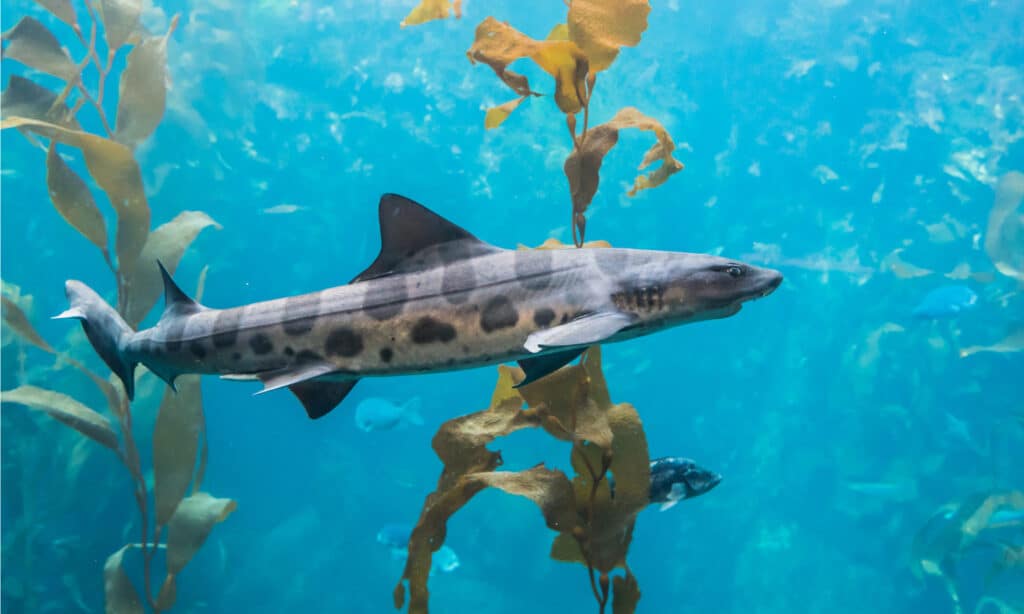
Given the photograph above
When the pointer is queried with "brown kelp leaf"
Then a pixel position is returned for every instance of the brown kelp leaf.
(25, 98)
(61, 9)
(32, 44)
(572, 404)
(120, 21)
(497, 115)
(191, 525)
(175, 445)
(625, 594)
(14, 317)
(559, 33)
(167, 244)
(461, 444)
(583, 166)
(611, 519)
(901, 268)
(601, 27)
(73, 200)
(115, 170)
(65, 409)
(549, 489)
(498, 44)
(1014, 342)
(119, 592)
(1004, 238)
(143, 89)
(575, 400)
(429, 10)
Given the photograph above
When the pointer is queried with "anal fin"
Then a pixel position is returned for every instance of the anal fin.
(272, 380)
(319, 397)
(536, 368)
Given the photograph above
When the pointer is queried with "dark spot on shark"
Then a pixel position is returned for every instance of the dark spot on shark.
(498, 313)
(429, 330)
(533, 268)
(197, 350)
(386, 354)
(565, 318)
(306, 357)
(225, 328)
(385, 302)
(288, 351)
(543, 317)
(343, 342)
(300, 313)
(465, 349)
(236, 356)
(260, 344)
(175, 332)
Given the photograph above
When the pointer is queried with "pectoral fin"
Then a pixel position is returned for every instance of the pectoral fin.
(536, 368)
(586, 330)
(677, 494)
(272, 380)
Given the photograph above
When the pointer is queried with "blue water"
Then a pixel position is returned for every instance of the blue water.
(818, 137)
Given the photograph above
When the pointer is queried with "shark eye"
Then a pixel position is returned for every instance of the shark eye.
(734, 271)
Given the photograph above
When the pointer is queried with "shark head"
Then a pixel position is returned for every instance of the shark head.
(681, 287)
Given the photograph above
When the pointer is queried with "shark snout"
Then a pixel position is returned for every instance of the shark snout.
(765, 282)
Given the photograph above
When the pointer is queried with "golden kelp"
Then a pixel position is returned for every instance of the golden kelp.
(179, 442)
(593, 528)
(429, 10)
(573, 53)
(583, 165)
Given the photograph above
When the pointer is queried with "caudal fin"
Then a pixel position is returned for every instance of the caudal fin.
(106, 329)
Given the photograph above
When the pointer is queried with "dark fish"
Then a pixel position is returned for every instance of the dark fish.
(674, 478)
(435, 299)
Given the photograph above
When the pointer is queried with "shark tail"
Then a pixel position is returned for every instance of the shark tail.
(107, 331)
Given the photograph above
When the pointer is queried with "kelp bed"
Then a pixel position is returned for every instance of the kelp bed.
(175, 515)
(594, 526)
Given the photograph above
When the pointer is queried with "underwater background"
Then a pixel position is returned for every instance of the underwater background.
(855, 145)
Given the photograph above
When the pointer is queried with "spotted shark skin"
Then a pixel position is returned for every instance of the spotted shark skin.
(436, 299)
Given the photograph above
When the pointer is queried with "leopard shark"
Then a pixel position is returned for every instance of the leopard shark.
(435, 299)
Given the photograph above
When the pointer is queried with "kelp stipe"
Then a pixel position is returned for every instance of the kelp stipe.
(573, 53)
(594, 529)
(179, 510)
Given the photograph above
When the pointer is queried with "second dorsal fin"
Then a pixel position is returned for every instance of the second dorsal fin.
(407, 228)
(176, 302)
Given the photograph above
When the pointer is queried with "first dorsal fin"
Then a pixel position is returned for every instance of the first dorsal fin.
(176, 302)
(407, 228)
